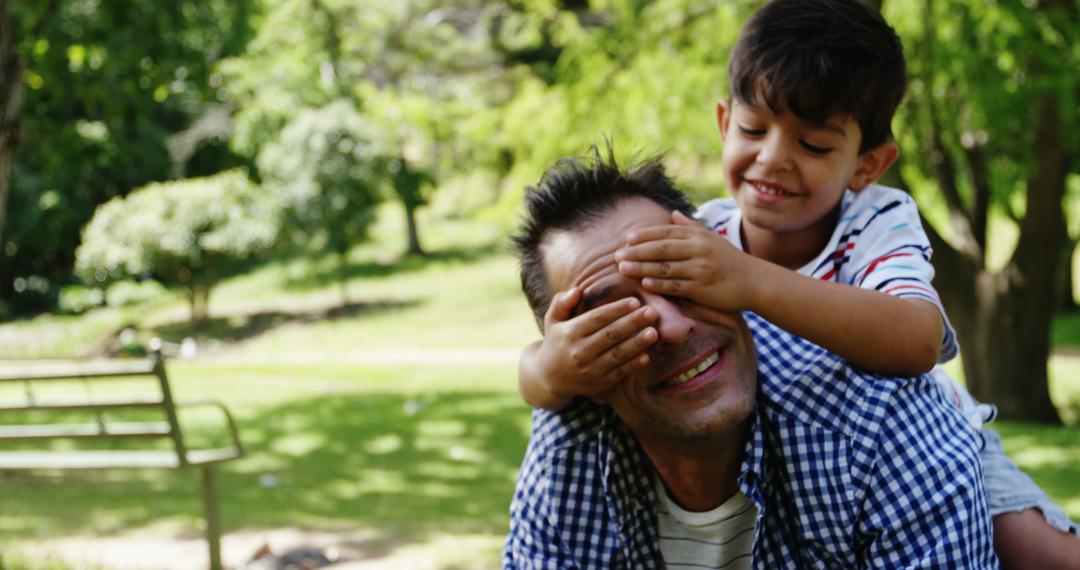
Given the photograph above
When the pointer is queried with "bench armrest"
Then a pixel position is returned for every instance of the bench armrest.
(225, 411)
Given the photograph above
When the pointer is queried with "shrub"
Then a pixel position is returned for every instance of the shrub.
(189, 233)
(77, 299)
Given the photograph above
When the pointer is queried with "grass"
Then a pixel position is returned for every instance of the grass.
(396, 414)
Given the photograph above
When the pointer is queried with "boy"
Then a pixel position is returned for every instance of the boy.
(814, 87)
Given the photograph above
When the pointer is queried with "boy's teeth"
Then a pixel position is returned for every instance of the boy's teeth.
(769, 189)
(689, 374)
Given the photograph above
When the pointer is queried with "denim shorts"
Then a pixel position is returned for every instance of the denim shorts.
(1008, 489)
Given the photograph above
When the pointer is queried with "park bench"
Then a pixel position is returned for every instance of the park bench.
(46, 404)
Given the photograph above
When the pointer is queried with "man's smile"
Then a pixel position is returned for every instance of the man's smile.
(703, 370)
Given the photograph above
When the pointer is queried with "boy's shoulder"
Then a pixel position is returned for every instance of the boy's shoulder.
(877, 197)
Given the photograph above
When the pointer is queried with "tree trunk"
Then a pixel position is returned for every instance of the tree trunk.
(1003, 319)
(1007, 345)
(410, 228)
(343, 274)
(193, 304)
(11, 88)
(1066, 302)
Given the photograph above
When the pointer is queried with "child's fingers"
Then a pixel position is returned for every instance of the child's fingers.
(682, 219)
(665, 249)
(562, 305)
(593, 320)
(627, 355)
(653, 233)
(659, 269)
(678, 287)
(617, 332)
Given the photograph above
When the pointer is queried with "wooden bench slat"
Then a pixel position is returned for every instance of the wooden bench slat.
(110, 459)
(102, 402)
(78, 371)
(84, 431)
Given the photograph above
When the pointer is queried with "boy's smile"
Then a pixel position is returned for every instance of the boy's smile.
(788, 176)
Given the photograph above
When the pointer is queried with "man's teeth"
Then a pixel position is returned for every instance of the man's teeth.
(693, 372)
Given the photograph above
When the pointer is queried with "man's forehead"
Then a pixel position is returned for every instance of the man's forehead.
(586, 254)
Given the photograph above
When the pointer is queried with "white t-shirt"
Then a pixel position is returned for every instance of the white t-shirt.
(722, 538)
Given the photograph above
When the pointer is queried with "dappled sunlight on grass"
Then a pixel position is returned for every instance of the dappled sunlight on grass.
(362, 459)
(1050, 456)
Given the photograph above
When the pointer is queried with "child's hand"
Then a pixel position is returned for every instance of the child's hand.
(687, 260)
(587, 354)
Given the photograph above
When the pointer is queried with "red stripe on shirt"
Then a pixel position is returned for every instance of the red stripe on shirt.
(915, 287)
(870, 269)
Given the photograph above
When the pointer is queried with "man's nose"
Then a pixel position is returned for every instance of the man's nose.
(672, 324)
(774, 153)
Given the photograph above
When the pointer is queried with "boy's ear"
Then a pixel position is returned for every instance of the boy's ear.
(722, 118)
(874, 163)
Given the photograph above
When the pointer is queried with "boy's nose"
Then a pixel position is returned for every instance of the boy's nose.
(774, 154)
(673, 326)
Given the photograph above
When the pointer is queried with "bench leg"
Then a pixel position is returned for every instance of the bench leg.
(213, 521)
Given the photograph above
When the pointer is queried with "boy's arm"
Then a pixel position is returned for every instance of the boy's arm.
(872, 330)
(586, 354)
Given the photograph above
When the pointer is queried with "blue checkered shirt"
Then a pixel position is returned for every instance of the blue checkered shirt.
(847, 470)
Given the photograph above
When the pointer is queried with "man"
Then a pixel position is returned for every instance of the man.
(712, 456)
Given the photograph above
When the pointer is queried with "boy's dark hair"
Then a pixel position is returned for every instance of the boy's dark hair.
(572, 194)
(820, 58)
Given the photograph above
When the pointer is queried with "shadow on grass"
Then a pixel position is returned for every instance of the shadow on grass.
(326, 274)
(241, 327)
(406, 467)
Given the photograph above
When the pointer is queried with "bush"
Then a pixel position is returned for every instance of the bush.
(123, 293)
(77, 299)
(189, 233)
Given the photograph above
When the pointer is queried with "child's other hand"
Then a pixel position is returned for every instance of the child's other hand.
(687, 260)
(587, 354)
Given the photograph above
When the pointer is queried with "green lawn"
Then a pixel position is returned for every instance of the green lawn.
(396, 415)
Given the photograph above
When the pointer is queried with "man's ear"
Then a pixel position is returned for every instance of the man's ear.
(722, 118)
(873, 163)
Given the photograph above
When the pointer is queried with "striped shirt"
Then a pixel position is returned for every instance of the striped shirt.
(878, 244)
(720, 539)
(846, 470)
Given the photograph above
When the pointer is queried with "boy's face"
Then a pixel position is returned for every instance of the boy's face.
(788, 175)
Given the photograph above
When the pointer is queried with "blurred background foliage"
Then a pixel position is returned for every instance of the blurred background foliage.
(336, 106)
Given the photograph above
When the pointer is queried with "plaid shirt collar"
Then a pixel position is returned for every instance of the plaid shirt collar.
(628, 487)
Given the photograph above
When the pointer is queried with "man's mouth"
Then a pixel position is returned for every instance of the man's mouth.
(693, 372)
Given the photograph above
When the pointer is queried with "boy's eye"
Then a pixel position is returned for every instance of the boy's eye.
(815, 149)
(751, 132)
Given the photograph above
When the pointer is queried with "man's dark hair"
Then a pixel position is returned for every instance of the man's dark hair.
(820, 58)
(572, 194)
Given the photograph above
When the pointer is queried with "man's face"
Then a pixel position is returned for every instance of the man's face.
(702, 373)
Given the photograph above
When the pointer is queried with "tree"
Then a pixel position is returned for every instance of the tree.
(330, 167)
(417, 66)
(990, 127)
(188, 233)
(104, 84)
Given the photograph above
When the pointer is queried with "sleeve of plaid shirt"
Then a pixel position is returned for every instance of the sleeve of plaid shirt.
(533, 542)
(925, 502)
(558, 517)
